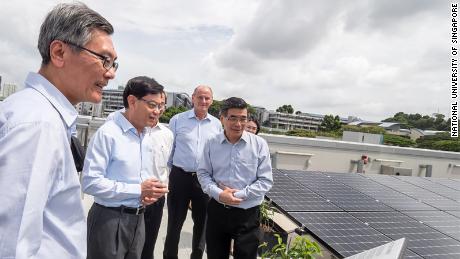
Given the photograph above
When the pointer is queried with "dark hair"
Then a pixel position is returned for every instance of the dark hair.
(70, 22)
(232, 103)
(256, 122)
(141, 86)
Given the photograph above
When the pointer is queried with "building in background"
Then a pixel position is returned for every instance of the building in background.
(178, 99)
(8, 89)
(286, 121)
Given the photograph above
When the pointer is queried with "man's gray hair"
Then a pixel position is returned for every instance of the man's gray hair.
(70, 22)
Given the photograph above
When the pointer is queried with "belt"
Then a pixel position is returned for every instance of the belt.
(181, 169)
(228, 207)
(124, 209)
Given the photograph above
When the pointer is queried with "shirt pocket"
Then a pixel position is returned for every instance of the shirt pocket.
(248, 167)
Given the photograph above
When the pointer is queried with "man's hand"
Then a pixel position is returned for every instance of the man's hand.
(152, 190)
(227, 197)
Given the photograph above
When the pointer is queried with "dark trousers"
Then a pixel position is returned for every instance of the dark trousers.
(152, 216)
(114, 234)
(227, 223)
(183, 188)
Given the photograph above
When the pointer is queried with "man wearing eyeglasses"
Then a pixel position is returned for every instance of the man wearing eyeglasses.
(235, 170)
(161, 147)
(118, 172)
(41, 213)
(191, 129)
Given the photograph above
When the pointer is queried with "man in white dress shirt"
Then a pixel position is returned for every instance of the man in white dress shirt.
(41, 212)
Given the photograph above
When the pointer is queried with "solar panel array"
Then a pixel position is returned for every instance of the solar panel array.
(351, 213)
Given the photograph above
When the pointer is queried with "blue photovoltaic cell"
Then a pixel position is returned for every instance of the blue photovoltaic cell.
(439, 220)
(344, 233)
(434, 187)
(446, 182)
(424, 195)
(291, 196)
(422, 239)
(386, 195)
(352, 212)
(338, 193)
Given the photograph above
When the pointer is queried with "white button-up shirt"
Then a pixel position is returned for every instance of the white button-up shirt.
(41, 212)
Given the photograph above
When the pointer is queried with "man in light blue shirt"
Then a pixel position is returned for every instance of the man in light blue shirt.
(191, 129)
(41, 213)
(236, 172)
(118, 172)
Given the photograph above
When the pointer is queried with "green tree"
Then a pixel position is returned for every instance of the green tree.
(331, 123)
(170, 112)
(286, 108)
(214, 109)
(419, 121)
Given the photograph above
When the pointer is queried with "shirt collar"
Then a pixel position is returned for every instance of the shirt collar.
(124, 124)
(191, 114)
(54, 96)
(223, 138)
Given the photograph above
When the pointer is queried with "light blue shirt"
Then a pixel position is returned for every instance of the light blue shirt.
(245, 166)
(162, 139)
(41, 212)
(117, 161)
(190, 135)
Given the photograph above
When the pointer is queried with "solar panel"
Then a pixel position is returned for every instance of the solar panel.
(344, 233)
(455, 213)
(351, 213)
(338, 193)
(422, 239)
(439, 220)
(425, 196)
(291, 196)
(386, 195)
(446, 182)
(444, 191)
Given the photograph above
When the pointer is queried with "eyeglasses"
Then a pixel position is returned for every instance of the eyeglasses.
(235, 119)
(153, 105)
(107, 62)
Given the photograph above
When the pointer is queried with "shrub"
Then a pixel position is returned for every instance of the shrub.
(395, 140)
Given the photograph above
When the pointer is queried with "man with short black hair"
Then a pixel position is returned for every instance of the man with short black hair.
(118, 173)
(235, 171)
(41, 212)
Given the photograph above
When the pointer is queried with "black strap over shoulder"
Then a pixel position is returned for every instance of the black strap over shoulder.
(78, 153)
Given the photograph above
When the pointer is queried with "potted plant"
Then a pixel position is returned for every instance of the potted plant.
(301, 248)
(268, 228)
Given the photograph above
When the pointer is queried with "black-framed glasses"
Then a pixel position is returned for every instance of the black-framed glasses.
(153, 105)
(107, 62)
(235, 119)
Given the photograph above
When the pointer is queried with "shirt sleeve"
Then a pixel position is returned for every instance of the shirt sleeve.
(94, 180)
(264, 181)
(30, 157)
(205, 172)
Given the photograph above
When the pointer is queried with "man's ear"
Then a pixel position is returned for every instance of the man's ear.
(58, 52)
(131, 100)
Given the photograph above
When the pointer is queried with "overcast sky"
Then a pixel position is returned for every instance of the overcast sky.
(367, 58)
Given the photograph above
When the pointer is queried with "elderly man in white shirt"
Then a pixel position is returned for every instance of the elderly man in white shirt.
(41, 213)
